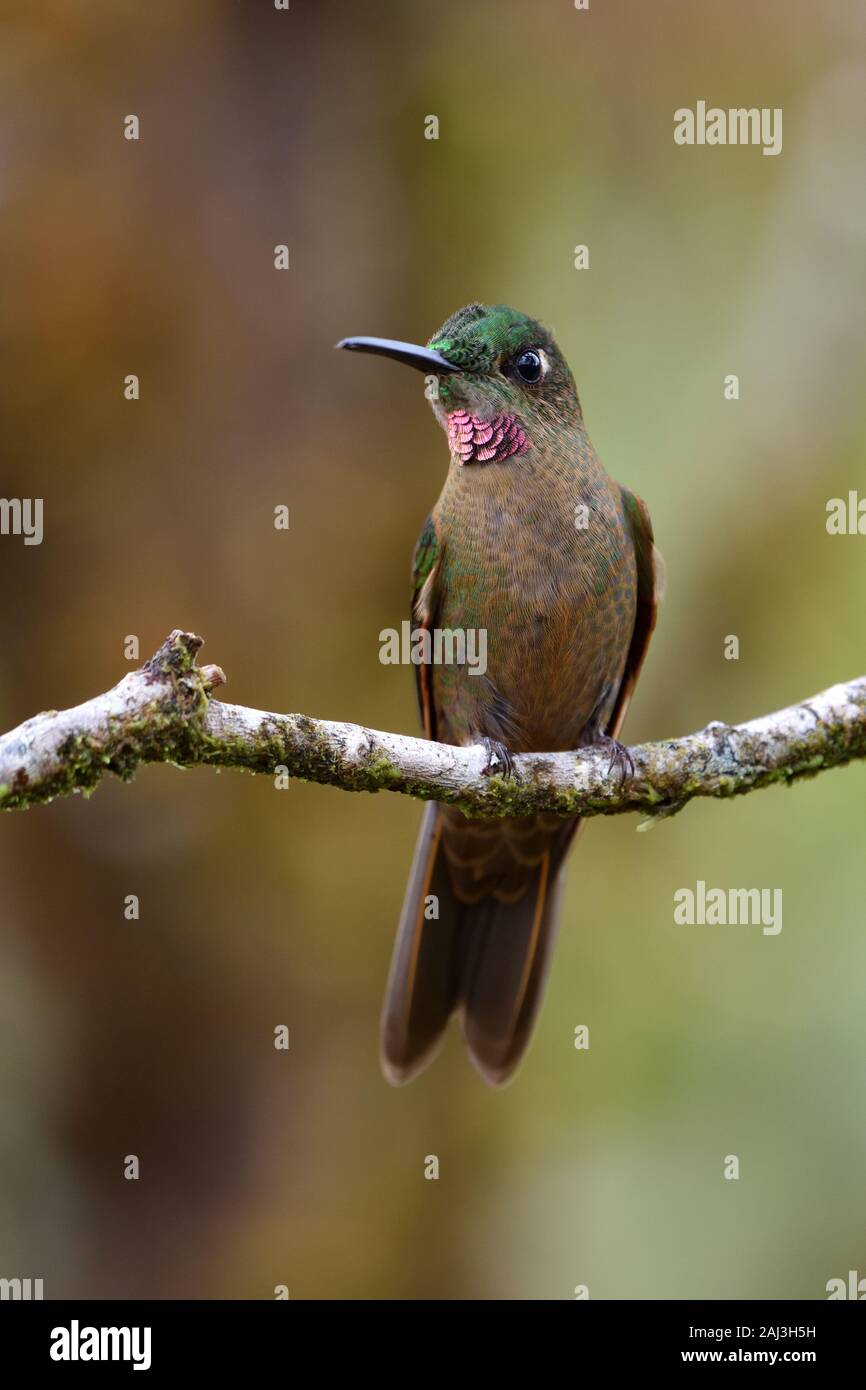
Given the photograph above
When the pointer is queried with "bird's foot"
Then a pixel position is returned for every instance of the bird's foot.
(499, 760)
(620, 757)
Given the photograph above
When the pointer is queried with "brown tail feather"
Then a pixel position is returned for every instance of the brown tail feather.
(488, 957)
(421, 992)
(507, 949)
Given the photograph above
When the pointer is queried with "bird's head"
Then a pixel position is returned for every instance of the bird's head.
(496, 380)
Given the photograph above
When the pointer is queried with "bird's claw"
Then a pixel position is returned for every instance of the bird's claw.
(498, 760)
(620, 757)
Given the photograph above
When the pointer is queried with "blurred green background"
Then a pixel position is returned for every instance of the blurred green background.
(257, 907)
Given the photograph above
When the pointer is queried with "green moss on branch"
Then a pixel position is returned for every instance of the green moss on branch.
(164, 713)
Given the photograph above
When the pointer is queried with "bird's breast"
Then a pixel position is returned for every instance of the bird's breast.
(541, 581)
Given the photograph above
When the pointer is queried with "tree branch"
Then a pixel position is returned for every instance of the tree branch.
(164, 713)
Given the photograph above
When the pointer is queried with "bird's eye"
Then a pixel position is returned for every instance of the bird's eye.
(529, 366)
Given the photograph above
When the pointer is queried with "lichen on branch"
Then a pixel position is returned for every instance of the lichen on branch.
(165, 713)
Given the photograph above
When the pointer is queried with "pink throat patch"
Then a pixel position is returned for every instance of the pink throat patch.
(485, 441)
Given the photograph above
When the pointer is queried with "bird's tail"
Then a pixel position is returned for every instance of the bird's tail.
(476, 933)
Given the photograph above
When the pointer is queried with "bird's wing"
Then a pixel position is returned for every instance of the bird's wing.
(426, 569)
(650, 588)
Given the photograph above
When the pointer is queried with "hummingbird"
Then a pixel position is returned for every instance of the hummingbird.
(531, 542)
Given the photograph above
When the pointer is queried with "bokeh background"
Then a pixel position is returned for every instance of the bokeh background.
(261, 907)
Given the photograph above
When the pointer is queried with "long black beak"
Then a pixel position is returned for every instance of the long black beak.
(425, 359)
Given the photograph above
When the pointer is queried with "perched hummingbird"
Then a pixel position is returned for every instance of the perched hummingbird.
(533, 542)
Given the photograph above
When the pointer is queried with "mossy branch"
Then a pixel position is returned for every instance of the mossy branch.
(164, 713)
